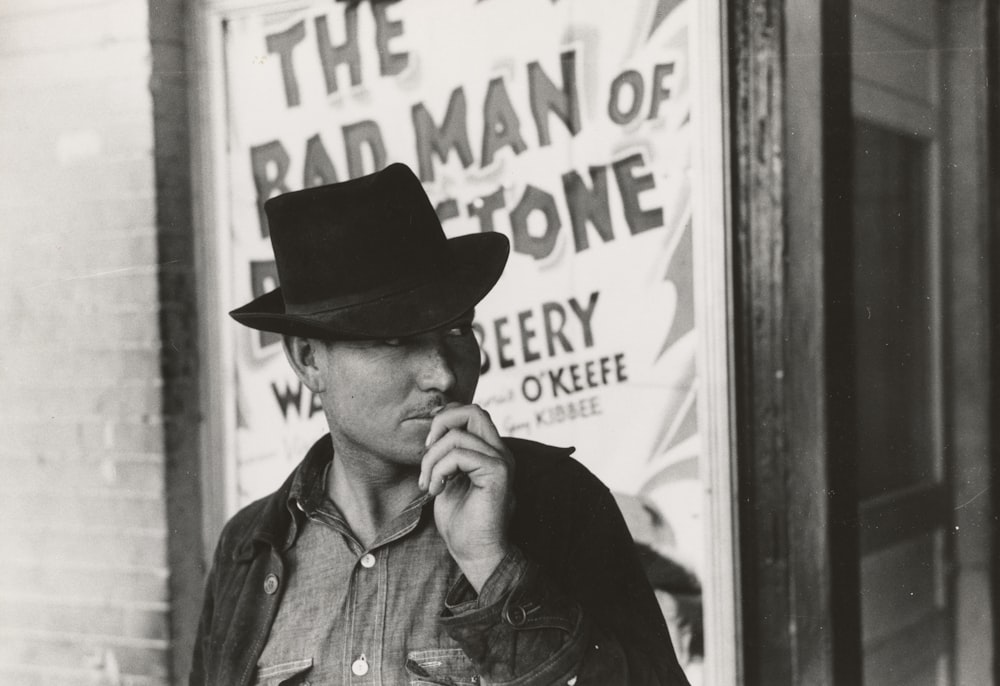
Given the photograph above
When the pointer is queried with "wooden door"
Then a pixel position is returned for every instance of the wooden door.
(904, 502)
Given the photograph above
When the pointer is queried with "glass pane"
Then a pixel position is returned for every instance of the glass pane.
(893, 310)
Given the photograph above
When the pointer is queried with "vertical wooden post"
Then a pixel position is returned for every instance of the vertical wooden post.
(790, 113)
(758, 248)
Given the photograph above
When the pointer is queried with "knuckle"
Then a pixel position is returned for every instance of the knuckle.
(478, 410)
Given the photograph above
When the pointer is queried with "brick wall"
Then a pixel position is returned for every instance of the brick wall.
(96, 421)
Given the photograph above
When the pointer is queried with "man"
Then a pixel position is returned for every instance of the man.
(413, 544)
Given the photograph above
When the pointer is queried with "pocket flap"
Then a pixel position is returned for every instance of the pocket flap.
(441, 667)
(283, 673)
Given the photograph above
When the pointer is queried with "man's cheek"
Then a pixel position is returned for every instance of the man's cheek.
(469, 379)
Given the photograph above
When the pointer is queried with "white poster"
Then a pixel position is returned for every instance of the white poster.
(566, 125)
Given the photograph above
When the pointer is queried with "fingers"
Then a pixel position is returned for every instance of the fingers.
(459, 469)
(459, 452)
(470, 418)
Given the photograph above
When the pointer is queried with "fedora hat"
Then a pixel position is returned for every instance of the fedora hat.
(367, 258)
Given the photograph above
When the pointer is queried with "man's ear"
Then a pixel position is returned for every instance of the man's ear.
(302, 354)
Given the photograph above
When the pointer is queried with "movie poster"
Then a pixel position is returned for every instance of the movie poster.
(562, 124)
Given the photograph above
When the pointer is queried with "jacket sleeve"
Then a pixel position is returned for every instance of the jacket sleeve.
(198, 676)
(592, 620)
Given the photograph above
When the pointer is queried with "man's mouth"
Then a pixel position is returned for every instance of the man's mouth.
(427, 413)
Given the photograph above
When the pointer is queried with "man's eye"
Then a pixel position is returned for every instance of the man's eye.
(461, 330)
(392, 342)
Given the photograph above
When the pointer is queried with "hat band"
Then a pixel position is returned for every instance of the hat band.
(341, 302)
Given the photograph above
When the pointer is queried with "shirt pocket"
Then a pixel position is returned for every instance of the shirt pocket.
(441, 667)
(284, 674)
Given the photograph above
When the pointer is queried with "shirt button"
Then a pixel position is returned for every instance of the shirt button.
(270, 584)
(360, 666)
(367, 560)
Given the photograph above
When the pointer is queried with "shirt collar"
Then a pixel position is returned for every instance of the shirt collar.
(274, 520)
(308, 487)
(308, 494)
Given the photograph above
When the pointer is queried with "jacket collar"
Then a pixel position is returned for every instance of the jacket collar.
(277, 520)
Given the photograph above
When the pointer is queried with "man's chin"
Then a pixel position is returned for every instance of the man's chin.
(412, 453)
(411, 458)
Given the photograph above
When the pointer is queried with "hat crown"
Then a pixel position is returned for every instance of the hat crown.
(367, 258)
(337, 243)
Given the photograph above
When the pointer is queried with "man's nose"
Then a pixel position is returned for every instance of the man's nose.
(435, 370)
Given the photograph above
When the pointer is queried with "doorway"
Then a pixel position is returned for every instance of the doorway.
(919, 323)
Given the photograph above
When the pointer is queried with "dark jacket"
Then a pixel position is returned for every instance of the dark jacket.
(583, 608)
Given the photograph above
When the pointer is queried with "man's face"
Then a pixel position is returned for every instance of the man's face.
(380, 395)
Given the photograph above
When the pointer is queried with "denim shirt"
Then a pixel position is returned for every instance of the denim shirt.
(569, 605)
(347, 611)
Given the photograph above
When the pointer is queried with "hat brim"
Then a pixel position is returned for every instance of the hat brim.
(477, 262)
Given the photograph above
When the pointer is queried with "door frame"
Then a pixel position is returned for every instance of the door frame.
(791, 111)
(993, 242)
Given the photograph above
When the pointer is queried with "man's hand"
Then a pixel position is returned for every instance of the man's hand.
(471, 473)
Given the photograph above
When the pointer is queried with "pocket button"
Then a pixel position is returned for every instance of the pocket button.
(270, 584)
